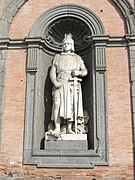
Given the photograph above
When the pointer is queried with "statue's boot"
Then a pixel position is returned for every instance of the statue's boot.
(69, 131)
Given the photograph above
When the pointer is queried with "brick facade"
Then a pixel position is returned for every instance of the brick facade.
(120, 126)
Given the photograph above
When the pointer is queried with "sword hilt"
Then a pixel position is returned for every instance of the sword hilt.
(75, 80)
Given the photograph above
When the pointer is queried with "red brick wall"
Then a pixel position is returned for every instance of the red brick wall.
(28, 14)
(119, 107)
(14, 106)
(118, 91)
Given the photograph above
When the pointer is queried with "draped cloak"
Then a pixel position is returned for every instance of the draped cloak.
(65, 64)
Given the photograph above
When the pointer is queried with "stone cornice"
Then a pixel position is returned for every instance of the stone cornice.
(100, 40)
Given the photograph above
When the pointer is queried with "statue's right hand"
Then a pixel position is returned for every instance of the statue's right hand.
(57, 84)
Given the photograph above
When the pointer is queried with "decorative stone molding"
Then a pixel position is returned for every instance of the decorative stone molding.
(32, 59)
(131, 45)
(2, 80)
(99, 43)
(56, 31)
(100, 58)
(49, 24)
(107, 41)
(128, 13)
(63, 11)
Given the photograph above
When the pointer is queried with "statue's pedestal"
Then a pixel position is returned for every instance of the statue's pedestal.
(67, 141)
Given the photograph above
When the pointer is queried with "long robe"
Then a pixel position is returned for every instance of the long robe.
(65, 64)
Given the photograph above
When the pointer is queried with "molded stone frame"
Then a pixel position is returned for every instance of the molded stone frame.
(5, 44)
(39, 59)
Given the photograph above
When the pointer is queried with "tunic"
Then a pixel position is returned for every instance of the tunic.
(65, 64)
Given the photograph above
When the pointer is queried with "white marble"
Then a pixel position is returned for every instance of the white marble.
(66, 74)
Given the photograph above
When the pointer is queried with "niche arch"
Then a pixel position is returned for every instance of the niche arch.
(49, 28)
(78, 20)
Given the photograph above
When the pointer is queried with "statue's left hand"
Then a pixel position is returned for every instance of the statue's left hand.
(75, 73)
(57, 84)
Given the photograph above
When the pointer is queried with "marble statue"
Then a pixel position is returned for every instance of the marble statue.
(66, 75)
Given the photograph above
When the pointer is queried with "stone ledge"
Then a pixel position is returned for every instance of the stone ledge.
(66, 144)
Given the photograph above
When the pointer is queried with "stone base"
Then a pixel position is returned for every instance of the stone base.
(67, 141)
(49, 137)
(66, 144)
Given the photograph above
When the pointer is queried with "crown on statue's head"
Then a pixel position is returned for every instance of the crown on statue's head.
(68, 37)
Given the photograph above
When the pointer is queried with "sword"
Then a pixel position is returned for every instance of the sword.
(75, 83)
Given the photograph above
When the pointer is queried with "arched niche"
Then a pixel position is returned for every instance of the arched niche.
(48, 31)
